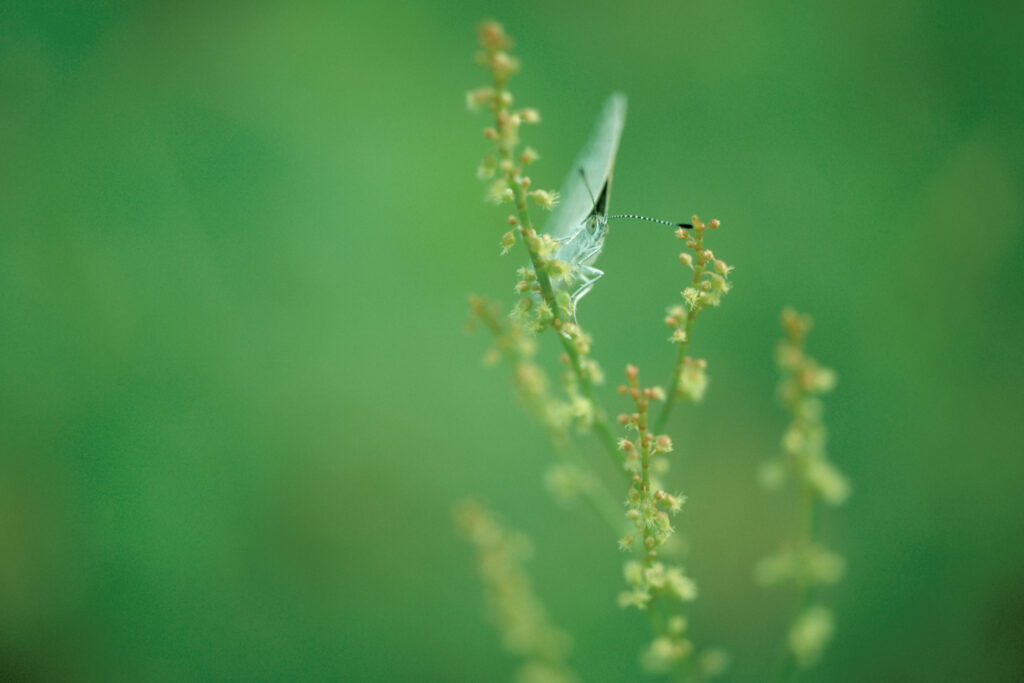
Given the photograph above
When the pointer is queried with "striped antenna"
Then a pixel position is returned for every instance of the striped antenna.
(653, 220)
(593, 201)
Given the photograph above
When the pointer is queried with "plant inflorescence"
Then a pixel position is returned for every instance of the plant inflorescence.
(641, 516)
(803, 561)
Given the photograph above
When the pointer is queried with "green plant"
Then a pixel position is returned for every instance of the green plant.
(635, 440)
(803, 561)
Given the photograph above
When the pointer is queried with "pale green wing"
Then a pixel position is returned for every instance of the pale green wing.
(596, 160)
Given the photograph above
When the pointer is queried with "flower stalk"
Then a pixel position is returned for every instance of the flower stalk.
(804, 562)
(513, 185)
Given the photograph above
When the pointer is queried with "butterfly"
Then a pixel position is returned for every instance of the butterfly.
(579, 222)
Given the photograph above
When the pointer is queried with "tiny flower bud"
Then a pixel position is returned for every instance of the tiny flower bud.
(632, 372)
(530, 115)
(508, 240)
(559, 270)
(513, 221)
(474, 98)
(686, 259)
(662, 444)
(545, 199)
(502, 62)
(681, 234)
(714, 223)
(490, 133)
(492, 35)
(528, 156)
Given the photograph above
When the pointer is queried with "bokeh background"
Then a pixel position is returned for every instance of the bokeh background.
(237, 404)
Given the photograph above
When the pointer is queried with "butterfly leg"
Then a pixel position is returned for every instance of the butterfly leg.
(588, 275)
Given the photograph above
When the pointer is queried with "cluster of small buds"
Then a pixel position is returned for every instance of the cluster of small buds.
(560, 271)
(513, 607)
(710, 275)
(579, 339)
(667, 650)
(512, 184)
(710, 282)
(809, 635)
(804, 562)
(508, 240)
(803, 443)
(504, 168)
(647, 581)
(508, 339)
(566, 482)
(545, 199)
(495, 43)
(511, 341)
(579, 410)
(693, 382)
(801, 565)
(648, 507)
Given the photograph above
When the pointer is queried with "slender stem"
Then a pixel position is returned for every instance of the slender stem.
(807, 535)
(677, 372)
(646, 450)
(677, 377)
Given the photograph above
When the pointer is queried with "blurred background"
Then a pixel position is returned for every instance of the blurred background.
(237, 404)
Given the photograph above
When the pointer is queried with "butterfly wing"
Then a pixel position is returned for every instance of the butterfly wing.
(596, 160)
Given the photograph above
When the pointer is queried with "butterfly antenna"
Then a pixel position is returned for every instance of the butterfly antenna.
(652, 220)
(583, 175)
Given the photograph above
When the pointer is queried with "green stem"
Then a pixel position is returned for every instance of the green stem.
(808, 532)
(677, 371)
(677, 377)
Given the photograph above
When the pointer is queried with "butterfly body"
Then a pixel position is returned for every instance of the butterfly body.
(580, 221)
(581, 249)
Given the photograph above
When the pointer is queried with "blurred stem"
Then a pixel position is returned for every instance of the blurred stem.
(808, 523)
(594, 492)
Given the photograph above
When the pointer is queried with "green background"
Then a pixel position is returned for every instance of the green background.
(237, 405)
